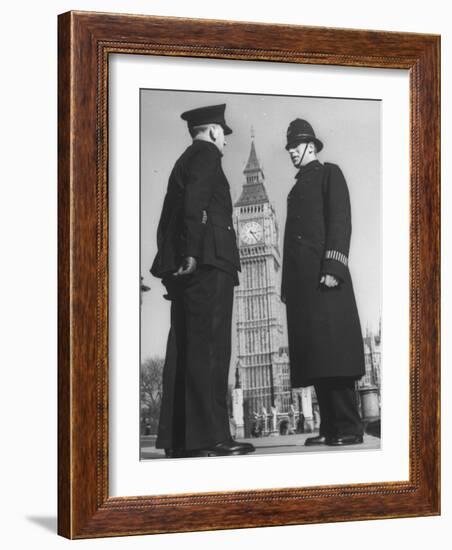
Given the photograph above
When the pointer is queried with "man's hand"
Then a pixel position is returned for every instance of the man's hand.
(188, 266)
(329, 280)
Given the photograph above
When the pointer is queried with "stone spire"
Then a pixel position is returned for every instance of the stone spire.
(253, 190)
(253, 162)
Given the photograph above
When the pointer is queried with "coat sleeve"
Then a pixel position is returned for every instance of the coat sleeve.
(199, 186)
(338, 225)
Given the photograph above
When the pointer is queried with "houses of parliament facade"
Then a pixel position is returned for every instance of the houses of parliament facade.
(263, 401)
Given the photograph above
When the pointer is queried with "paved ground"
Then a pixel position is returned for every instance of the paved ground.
(273, 445)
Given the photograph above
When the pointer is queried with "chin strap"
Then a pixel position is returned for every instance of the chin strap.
(304, 153)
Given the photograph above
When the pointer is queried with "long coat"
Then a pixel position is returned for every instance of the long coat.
(196, 221)
(325, 338)
(196, 218)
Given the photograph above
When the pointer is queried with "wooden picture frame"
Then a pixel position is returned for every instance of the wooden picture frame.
(85, 42)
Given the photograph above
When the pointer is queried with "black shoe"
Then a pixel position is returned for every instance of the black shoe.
(317, 440)
(342, 440)
(230, 447)
(249, 446)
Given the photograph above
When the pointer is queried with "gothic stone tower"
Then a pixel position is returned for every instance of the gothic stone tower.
(264, 377)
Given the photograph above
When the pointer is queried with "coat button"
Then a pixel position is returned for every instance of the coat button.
(229, 228)
(299, 237)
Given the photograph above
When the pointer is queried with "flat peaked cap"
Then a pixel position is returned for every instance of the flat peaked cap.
(213, 114)
(300, 131)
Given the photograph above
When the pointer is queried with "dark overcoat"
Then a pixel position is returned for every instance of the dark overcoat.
(324, 331)
(196, 218)
(196, 221)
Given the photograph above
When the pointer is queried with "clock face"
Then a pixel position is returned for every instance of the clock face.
(251, 233)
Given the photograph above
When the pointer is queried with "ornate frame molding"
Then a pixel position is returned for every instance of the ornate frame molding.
(85, 42)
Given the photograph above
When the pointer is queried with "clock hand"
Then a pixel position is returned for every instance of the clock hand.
(254, 235)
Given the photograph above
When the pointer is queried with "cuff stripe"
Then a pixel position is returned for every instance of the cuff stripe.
(336, 255)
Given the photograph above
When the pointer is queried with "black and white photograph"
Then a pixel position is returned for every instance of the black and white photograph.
(260, 306)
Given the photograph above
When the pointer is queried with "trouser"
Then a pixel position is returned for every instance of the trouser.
(194, 412)
(338, 409)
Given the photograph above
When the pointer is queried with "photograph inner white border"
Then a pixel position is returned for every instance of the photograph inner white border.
(128, 475)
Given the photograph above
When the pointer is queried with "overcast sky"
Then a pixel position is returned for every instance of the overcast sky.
(350, 131)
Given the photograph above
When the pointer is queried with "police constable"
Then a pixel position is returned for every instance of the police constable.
(325, 339)
(198, 260)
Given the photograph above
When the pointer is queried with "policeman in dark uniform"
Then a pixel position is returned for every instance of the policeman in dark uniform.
(198, 260)
(325, 339)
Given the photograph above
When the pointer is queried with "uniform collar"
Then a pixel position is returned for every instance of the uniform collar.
(308, 168)
(208, 145)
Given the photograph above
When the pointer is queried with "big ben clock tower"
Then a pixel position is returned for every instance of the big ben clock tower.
(263, 368)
